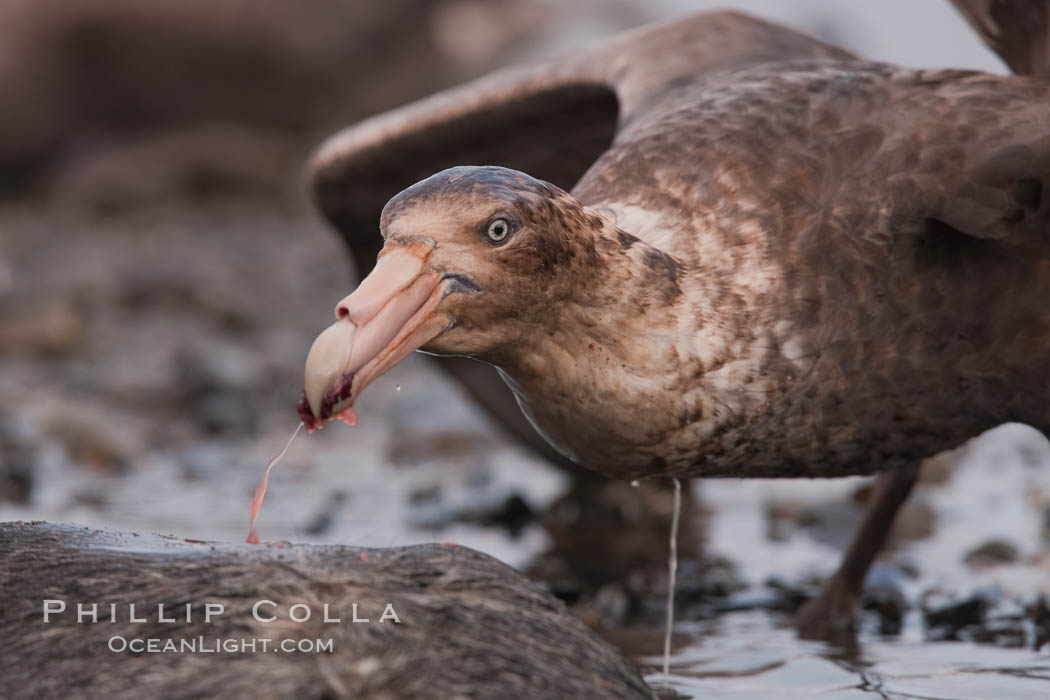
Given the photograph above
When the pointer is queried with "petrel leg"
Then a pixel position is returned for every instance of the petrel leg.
(831, 615)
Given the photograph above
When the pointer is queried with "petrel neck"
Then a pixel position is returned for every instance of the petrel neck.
(626, 292)
(607, 352)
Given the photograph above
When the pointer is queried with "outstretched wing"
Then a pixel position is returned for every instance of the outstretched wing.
(968, 151)
(1017, 30)
(551, 120)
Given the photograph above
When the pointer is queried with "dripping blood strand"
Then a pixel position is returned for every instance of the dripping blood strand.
(260, 490)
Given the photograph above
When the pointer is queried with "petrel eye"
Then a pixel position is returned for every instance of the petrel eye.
(498, 230)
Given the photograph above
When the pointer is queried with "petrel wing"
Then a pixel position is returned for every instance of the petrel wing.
(1017, 30)
(551, 120)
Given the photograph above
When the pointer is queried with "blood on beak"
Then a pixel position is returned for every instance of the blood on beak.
(390, 314)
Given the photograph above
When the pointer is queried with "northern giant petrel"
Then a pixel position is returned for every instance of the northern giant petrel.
(714, 247)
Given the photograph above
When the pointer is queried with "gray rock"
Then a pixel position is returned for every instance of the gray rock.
(469, 625)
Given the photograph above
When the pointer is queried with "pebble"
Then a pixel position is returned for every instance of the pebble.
(947, 616)
(992, 553)
(51, 328)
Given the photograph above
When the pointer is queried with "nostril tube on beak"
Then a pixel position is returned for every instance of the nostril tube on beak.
(390, 314)
(394, 271)
(357, 310)
(342, 310)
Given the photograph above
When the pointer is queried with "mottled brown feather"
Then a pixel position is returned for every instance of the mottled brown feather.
(1017, 30)
(551, 120)
(863, 250)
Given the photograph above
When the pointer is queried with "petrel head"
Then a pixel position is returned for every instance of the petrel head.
(474, 258)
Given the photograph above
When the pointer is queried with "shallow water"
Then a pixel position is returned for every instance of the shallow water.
(747, 656)
(994, 489)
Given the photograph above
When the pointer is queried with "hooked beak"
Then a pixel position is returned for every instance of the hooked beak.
(390, 314)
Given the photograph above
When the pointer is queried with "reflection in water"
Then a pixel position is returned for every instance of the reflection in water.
(750, 655)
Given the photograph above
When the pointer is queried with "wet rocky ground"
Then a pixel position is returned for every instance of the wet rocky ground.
(151, 360)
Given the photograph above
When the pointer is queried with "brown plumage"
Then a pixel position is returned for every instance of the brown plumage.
(791, 262)
(1017, 30)
(776, 259)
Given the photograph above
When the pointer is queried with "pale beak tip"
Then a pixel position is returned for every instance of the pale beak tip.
(327, 362)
